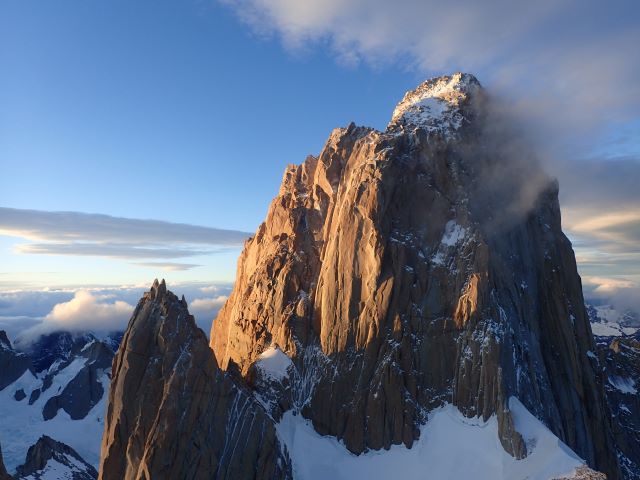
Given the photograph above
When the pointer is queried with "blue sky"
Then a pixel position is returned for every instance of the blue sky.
(188, 111)
(165, 110)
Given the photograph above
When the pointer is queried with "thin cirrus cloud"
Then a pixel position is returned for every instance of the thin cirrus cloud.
(601, 215)
(84, 234)
(169, 266)
(124, 251)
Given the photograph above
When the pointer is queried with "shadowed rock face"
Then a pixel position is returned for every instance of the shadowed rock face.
(415, 266)
(49, 459)
(621, 359)
(13, 364)
(85, 390)
(173, 413)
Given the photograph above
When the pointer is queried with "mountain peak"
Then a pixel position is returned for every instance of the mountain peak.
(436, 105)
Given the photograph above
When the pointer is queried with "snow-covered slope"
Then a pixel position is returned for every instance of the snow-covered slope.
(65, 401)
(451, 447)
(607, 321)
(52, 460)
(436, 104)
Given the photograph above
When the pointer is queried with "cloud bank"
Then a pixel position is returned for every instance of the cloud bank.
(206, 309)
(83, 234)
(26, 314)
(86, 311)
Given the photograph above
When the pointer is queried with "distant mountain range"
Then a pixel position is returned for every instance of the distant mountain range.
(52, 402)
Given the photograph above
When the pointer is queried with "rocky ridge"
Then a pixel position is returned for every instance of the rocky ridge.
(60, 392)
(398, 274)
(51, 459)
(173, 413)
(13, 364)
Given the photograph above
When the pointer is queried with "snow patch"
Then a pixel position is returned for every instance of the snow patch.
(611, 329)
(274, 363)
(623, 384)
(435, 104)
(450, 447)
(453, 234)
(22, 424)
(548, 457)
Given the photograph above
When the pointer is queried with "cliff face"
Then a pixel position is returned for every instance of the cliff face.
(621, 359)
(420, 265)
(13, 364)
(173, 413)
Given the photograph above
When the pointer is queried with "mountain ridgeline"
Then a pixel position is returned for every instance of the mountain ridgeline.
(395, 273)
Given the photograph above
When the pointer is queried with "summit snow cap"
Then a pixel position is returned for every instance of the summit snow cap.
(436, 105)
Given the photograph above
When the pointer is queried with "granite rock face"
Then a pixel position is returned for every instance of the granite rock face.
(173, 413)
(49, 458)
(424, 264)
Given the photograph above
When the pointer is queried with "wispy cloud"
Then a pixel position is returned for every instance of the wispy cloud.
(75, 226)
(601, 214)
(108, 250)
(83, 234)
(168, 266)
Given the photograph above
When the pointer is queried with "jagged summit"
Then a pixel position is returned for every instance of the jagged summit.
(437, 104)
(173, 413)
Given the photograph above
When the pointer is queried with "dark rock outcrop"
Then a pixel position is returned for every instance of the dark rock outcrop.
(49, 458)
(56, 347)
(85, 390)
(13, 364)
(19, 395)
(415, 266)
(173, 413)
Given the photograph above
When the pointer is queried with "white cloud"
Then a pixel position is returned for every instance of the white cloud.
(206, 309)
(622, 293)
(86, 311)
(28, 313)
